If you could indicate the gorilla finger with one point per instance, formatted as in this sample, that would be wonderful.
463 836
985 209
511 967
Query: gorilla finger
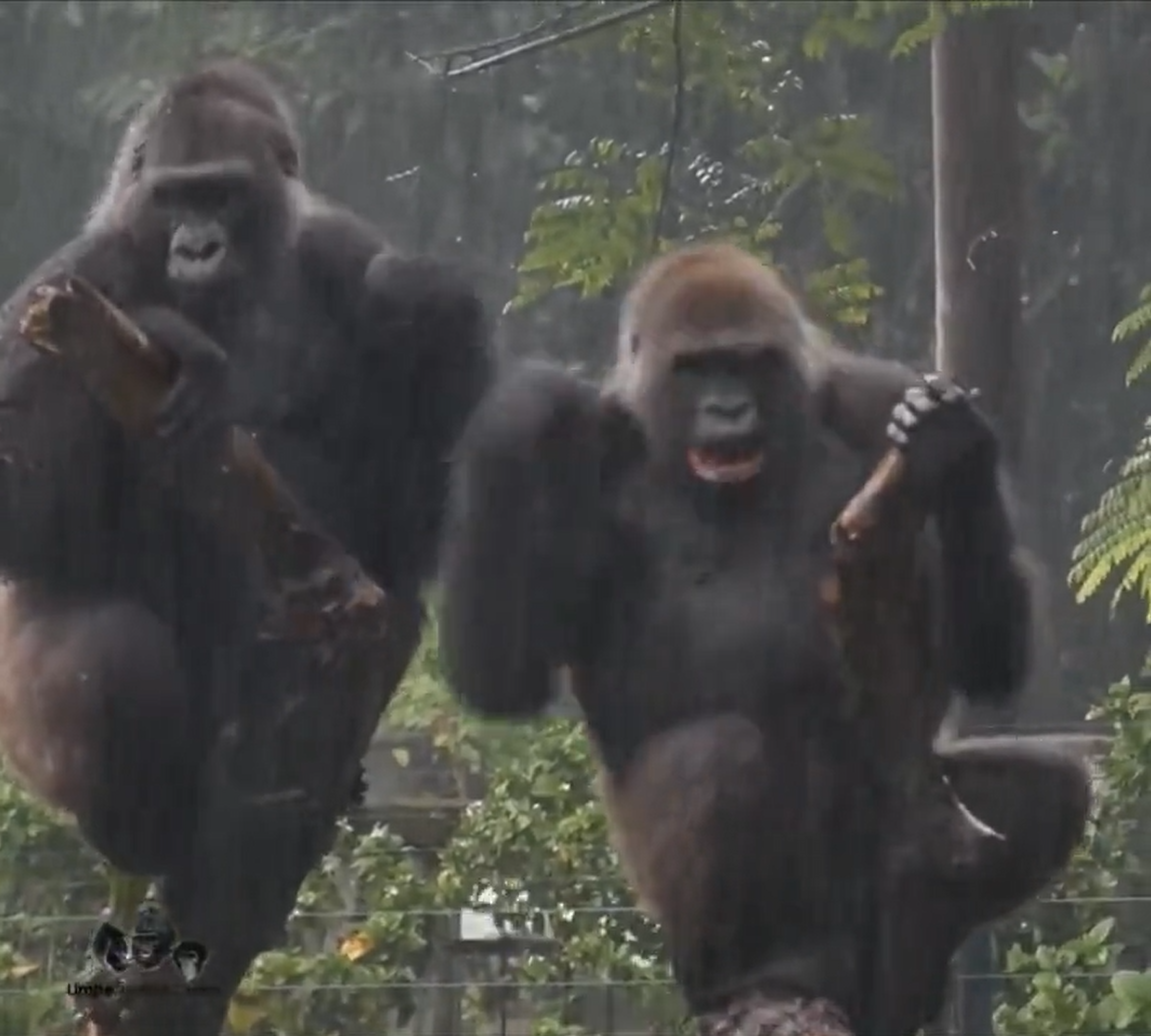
904 417
172 411
169 410
943 388
897 435
954 393
920 399
183 412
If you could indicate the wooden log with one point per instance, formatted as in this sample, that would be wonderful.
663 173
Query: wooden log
862 511
352 643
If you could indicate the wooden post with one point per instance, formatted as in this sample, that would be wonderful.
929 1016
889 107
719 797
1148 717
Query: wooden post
979 214
979 228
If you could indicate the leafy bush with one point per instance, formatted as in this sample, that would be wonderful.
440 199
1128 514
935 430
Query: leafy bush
1077 987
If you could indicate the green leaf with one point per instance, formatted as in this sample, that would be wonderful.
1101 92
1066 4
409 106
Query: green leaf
1133 989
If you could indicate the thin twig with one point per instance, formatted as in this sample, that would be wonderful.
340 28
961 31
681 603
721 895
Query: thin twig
677 107
467 49
577 31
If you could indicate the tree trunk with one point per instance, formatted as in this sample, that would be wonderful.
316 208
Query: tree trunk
979 227
979 214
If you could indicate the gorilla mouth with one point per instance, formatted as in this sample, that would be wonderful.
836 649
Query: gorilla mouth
711 466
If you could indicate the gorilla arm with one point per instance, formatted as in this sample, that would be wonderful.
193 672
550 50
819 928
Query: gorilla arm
986 580
525 537
63 489
422 362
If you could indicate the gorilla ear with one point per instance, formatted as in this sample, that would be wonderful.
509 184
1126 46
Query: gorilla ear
110 947
287 158
623 439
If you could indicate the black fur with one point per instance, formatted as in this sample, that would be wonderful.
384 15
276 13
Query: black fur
127 637
684 599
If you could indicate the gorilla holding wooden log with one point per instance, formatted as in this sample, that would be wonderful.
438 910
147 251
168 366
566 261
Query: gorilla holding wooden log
128 628
666 541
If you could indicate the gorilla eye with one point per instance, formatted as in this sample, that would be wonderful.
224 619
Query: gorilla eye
770 362
694 363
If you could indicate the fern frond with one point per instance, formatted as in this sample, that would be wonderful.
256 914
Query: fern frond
1131 325
1116 535
1133 322
1142 361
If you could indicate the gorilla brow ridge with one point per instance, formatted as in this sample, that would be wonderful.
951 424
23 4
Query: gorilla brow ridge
226 79
712 286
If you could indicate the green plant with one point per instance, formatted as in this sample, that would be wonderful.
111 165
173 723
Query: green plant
1076 987
1117 533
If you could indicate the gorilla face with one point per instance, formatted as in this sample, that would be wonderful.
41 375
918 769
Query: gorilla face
217 220
211 202
740 414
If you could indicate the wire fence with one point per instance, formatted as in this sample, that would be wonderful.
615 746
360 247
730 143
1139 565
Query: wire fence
471 982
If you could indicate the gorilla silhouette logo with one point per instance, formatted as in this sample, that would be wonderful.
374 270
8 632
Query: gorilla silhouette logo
151 944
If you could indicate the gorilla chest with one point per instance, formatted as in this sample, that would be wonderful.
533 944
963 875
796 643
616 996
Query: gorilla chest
741 629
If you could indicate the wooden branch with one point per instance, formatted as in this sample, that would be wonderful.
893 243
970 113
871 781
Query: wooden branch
576 32
862 512
321 593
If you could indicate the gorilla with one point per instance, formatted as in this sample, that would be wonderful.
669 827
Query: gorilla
128 620
663 542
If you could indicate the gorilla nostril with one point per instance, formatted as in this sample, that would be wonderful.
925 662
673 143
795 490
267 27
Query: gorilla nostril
200 254
198 243
728 409
195 251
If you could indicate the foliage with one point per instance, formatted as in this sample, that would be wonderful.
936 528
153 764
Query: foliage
1117 533
49 892
597 219
870 23
1076 986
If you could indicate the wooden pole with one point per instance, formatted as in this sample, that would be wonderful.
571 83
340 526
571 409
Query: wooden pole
979 214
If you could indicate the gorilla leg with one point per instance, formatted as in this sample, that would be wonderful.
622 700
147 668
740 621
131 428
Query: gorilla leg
1034 791
716 830
84 685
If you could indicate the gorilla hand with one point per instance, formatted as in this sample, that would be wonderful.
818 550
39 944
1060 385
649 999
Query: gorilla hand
945 440
195 404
